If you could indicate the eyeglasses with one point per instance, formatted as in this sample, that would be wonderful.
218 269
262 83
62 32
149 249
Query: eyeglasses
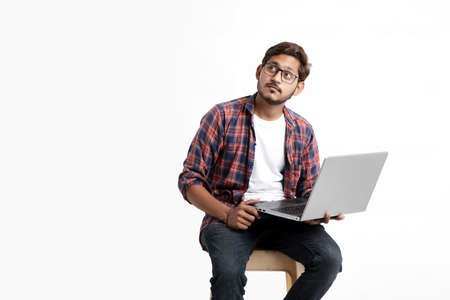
286 76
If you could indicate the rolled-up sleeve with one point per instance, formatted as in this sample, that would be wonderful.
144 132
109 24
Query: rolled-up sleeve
310 166
203 152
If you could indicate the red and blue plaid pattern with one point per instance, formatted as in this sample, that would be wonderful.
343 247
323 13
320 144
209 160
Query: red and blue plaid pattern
222 153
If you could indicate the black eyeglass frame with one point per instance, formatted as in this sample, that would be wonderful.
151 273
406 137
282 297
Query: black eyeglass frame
279 70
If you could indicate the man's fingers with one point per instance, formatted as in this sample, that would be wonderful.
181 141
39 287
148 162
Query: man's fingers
241 217
338 217
313 222
246 219
242 226
250 210
239 226
250 202
326 219
247 214
248 206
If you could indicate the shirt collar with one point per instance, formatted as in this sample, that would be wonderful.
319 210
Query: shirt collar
250 106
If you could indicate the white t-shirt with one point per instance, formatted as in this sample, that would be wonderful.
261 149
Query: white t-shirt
266 180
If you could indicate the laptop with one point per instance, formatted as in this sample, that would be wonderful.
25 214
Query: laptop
344 185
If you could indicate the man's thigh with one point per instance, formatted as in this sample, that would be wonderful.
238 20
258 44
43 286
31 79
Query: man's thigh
226 246
303 242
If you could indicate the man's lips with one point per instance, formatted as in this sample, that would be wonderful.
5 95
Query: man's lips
274 87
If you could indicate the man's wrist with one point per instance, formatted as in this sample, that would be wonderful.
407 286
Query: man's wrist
227 214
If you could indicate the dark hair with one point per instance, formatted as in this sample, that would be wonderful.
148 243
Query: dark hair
292 50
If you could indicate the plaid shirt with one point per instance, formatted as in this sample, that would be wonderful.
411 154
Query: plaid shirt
222 154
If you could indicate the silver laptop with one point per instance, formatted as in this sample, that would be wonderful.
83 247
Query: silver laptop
344 185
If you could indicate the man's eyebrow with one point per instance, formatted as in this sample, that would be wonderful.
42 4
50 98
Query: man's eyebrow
277 64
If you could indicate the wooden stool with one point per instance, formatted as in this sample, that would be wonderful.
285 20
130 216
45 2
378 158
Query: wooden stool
268 260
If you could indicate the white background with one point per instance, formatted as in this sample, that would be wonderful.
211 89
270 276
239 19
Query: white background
99 101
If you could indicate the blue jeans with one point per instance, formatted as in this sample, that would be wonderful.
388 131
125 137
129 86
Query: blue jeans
310 245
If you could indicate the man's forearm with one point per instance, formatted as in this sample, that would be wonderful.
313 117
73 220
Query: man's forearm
201 198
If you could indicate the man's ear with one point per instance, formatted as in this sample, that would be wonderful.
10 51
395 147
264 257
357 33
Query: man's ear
258 71
299 88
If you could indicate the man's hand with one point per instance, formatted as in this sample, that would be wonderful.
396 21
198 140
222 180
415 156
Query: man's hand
242 216
325 219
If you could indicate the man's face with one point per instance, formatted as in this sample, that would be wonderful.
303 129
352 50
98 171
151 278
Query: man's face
272 88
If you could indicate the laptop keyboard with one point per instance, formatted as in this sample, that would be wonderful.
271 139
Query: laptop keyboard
292 210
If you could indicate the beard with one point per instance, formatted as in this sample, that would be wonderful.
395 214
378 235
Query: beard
270 101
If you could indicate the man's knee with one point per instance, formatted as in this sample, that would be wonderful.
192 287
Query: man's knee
228 278
229 255
228 263
229 271
328 262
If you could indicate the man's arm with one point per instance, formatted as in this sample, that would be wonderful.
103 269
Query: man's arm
203 200
240 217
193 183
203 152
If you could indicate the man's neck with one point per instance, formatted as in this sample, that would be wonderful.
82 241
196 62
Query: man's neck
267 111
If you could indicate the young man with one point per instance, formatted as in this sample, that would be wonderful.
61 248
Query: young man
250 149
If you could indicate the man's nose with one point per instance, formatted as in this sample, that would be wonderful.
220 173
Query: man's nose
276 77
